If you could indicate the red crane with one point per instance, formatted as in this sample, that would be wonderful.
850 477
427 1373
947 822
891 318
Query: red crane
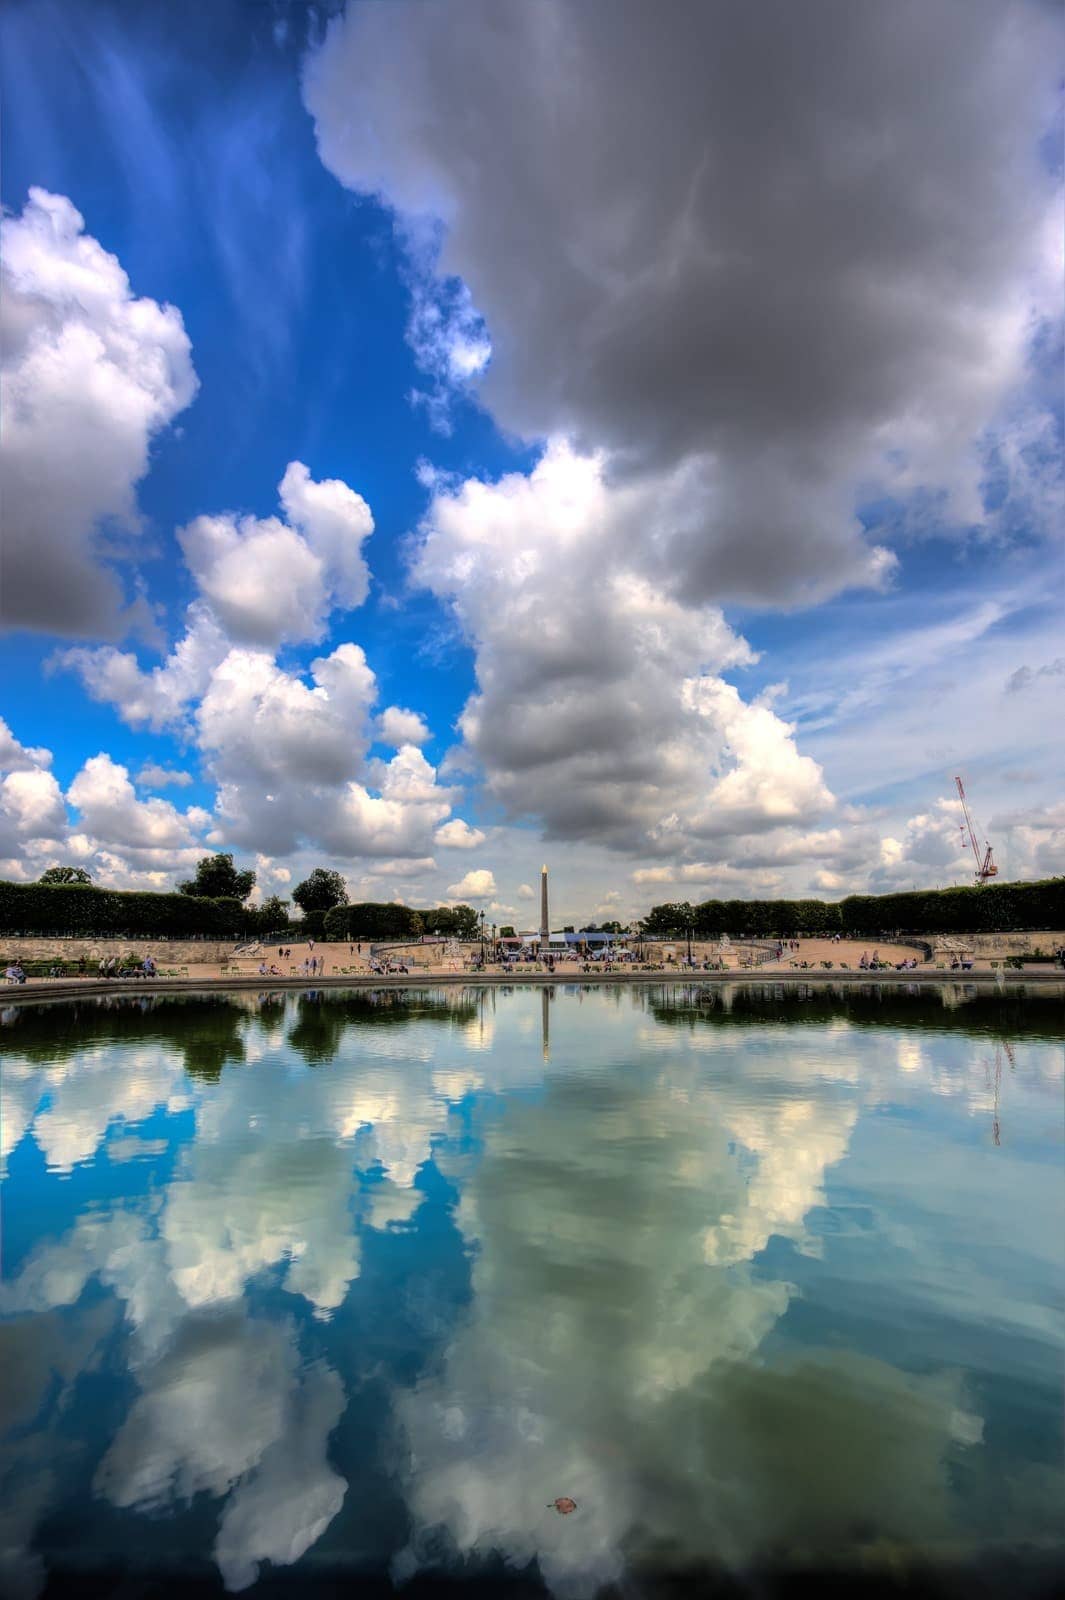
985 864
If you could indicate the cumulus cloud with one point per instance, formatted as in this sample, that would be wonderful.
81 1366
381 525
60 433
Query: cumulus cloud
599 705
146 832
290 762
153 776
17 757
478 884
396 726
931 849
1032 841
158 698
289 758
263 582
124 841
90 375
458 835
749 303
31 809
269 581
414 868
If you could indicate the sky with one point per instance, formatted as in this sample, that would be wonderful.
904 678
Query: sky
440 439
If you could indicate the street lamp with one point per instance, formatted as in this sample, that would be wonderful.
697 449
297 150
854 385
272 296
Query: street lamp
688 929
482 938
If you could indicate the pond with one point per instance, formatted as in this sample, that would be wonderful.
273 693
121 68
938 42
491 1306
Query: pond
314 1291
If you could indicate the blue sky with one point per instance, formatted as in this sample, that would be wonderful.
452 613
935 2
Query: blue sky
716 523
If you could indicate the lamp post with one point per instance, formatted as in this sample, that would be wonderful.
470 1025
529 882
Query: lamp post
688 930
482 938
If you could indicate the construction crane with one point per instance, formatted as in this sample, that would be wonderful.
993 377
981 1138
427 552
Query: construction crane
985 864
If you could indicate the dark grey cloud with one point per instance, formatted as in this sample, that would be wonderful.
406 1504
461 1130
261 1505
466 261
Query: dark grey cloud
766 255
1025 675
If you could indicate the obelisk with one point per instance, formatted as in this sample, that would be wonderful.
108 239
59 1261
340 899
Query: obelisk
545 925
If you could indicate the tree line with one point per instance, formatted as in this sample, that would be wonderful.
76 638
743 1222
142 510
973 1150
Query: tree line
990 908
212 905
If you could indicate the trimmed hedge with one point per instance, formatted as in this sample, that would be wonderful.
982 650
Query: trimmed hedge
991 908
373 919
369 920
74 910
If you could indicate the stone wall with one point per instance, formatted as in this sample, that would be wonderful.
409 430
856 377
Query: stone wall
995 946
169 952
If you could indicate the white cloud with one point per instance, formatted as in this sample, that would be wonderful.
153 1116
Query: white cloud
446 333
416 867
458 835
153 776
145 832
270 582
159 698
263 582
31 804
526 891
599 706
90 375
291 767
478 884
16 757
1033 840
32 813
397 726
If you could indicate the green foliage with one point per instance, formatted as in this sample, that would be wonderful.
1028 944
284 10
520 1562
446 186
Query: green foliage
218 879
321 891
507 932
64 875
311 925
992 908
455 922
271 917
665 920
372 920
77 910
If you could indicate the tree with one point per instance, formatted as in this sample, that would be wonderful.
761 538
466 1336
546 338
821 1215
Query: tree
672 918
65 875
321 891
272 915
370 920
455 922
507 932
218 879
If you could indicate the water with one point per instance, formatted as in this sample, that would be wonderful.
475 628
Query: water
303 1290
